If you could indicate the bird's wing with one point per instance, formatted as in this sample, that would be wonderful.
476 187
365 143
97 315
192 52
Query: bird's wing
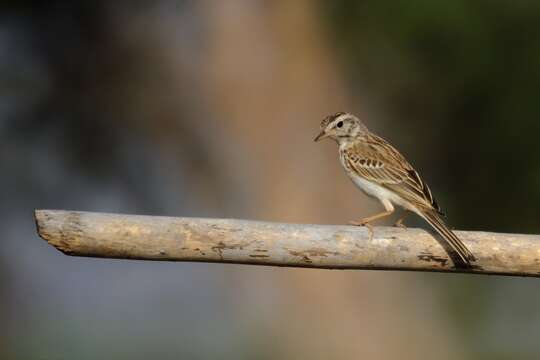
376 160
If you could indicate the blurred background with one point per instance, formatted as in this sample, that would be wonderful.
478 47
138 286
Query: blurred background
209 108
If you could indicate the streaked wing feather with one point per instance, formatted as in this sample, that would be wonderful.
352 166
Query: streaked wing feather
378 161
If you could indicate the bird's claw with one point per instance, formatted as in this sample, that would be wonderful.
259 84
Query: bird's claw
400 224
366 224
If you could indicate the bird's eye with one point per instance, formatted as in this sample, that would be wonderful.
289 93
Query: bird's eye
340 124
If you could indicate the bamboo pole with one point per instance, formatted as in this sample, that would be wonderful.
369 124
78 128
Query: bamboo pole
265 243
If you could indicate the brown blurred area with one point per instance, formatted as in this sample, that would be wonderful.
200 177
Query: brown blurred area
203 109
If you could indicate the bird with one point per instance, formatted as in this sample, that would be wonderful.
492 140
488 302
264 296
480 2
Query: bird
383 173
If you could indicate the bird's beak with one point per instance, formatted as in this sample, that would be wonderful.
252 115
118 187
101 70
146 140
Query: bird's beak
321 136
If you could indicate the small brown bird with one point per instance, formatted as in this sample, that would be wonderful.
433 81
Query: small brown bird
380 171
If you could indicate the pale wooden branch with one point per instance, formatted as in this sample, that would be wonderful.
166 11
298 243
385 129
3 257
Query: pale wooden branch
265 243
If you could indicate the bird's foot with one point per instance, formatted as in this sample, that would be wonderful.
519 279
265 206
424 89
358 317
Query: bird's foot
366 224
400 224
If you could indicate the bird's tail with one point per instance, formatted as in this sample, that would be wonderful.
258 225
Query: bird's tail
464 254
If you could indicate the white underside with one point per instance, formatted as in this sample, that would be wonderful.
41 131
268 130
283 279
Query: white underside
384 195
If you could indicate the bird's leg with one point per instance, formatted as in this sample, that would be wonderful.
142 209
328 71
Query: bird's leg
366 221
370 230
400 223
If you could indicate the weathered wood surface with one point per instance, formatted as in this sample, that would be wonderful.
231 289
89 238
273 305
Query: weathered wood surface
264 243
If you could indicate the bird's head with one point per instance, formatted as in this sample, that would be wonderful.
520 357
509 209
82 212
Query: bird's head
341 127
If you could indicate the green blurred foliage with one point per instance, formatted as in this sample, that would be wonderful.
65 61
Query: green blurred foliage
465 76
